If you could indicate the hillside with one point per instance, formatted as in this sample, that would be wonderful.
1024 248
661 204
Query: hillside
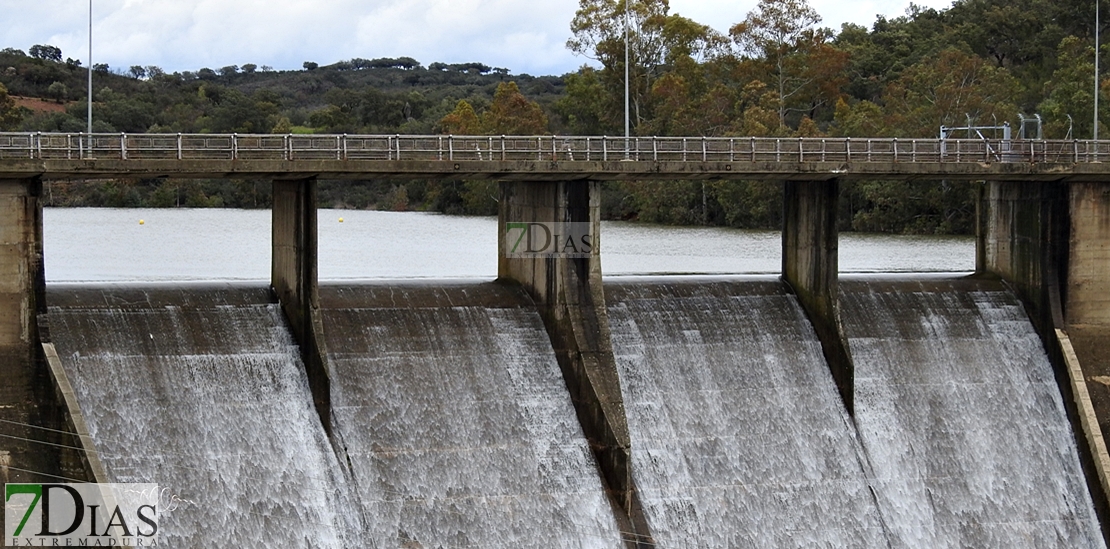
776 73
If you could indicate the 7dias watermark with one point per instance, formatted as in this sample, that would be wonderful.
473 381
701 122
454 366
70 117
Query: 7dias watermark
80 515
546 239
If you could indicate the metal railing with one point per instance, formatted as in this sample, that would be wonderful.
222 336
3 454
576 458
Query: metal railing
77 146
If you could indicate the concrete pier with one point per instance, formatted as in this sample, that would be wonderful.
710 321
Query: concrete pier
1051 242
568 292
1023 238
30 413
809 267
293 277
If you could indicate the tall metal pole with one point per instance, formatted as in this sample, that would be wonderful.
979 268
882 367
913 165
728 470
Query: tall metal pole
626 78
89 117
1096 69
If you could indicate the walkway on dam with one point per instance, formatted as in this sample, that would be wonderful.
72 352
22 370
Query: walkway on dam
61 156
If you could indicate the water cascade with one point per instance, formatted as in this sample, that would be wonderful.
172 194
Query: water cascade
201 390
454 415
961 416
740 438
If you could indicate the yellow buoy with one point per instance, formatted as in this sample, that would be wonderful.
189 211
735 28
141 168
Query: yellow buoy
340 219
141 222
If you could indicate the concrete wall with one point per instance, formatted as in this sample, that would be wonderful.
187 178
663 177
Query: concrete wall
569 295
293 277
29 407
1088 292
1023 238
809 267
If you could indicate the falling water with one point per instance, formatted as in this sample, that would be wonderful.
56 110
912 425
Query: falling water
739 436
201 390
458 426
961 416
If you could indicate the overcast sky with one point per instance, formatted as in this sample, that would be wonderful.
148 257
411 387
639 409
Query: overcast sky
525 36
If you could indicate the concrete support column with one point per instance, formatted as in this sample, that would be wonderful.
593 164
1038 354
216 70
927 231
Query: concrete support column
568 292
293 277
28 406
1022 238
1088 291
809 267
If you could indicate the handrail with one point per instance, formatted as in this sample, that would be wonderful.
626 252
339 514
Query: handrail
541 148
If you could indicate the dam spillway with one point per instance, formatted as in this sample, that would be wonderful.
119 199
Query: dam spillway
450 404
453 425
961 417
201 390
739 436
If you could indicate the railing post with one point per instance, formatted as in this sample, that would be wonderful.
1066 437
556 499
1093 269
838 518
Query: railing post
587 148
801 154
451 147
398 141
913 150
778 150
539 148
179 154
895 149
869 150
122 146
637 143
1075 145
704 152
502 147
69 147
234 146
848 149
824 149
654 148
731 149
38 144
604 148
753 148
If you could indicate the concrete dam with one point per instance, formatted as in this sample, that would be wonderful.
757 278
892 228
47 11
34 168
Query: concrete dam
552 408
453 426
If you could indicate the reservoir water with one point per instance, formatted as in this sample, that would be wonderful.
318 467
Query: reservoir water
101 244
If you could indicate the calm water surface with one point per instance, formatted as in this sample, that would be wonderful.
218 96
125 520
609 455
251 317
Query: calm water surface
103 244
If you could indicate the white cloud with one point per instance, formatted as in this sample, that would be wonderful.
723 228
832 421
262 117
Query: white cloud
522 35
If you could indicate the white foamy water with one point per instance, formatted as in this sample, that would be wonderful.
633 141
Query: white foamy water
961 417
450 404
210 401
740 438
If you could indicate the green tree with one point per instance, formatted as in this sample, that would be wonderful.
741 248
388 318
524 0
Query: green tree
1070 91
46 52
805 68
10 115
513 114
657 41
461 121
944 91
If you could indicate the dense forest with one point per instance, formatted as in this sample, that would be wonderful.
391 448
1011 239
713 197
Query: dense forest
776 73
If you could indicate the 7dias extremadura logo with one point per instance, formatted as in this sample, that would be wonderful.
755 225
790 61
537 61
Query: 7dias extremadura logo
80 515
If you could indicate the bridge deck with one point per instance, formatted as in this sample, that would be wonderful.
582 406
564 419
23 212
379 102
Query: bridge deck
67 156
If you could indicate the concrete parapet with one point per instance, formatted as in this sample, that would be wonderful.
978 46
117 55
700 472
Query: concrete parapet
293 277
809 267
568 292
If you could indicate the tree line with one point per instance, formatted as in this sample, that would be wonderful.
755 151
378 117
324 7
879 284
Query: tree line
778 72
